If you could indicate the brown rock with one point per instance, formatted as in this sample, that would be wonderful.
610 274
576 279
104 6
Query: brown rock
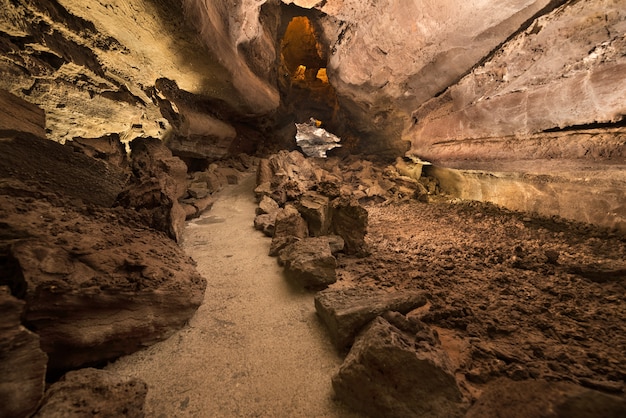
349 220
108 148
264 172
390 373
266 223
541 399
346 311
290 227
160 179
93 392
18 115
267 205
310 263
94 287
22 363
315 209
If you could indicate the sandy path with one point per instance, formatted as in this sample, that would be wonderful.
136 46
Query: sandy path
255 347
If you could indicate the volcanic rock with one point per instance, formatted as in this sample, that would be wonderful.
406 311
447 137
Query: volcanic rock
309 262
159 180
22 363
349 220
346 311
315 209
542 399
267 205
96 287
289 228
108 148
93 392
18 115
390 372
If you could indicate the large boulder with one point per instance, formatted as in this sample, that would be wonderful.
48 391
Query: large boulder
504 398
310 263
22 363
393 372
18 115
93 392
97 284
346 311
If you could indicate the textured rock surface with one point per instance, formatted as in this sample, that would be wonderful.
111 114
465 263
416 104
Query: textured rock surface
22 363
92 392
346 311
310 263
158 181
96 280
18 115
398 373
535 84
539 398
289 228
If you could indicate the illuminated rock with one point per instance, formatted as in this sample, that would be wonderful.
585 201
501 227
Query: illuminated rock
315 141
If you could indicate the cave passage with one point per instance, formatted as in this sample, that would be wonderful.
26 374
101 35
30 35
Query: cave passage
304 84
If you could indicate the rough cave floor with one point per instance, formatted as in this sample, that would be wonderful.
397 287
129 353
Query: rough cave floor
255 347
511 295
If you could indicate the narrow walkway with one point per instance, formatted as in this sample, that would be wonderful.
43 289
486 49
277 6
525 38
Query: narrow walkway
255 347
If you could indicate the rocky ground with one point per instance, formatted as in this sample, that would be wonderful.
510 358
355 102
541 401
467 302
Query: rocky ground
482 297
510 294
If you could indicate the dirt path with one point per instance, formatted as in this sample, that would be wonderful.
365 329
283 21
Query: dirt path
255 347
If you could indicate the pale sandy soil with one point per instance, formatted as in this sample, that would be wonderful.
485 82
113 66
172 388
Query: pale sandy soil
255 348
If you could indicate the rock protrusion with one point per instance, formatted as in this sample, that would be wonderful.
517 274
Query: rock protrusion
93 392
396 373
22 362
346 311
534 398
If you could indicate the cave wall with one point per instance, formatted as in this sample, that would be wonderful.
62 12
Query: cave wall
477 85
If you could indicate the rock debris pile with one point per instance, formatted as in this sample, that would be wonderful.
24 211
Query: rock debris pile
404 273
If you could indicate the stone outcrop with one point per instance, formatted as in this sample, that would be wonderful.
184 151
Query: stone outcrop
22 363
159 180
92 392
540 398
401 371
346 311
97 282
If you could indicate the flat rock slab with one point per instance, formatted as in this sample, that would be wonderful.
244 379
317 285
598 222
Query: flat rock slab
346 311
393 373
92 392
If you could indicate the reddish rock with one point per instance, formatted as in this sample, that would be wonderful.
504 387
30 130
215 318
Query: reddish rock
349 220
18 115
159 180
346 311
290 227
22 363
93 392
315 209
390 372
310 263
505 398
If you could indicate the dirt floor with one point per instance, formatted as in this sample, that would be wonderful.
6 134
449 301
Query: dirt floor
255 347
511 294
